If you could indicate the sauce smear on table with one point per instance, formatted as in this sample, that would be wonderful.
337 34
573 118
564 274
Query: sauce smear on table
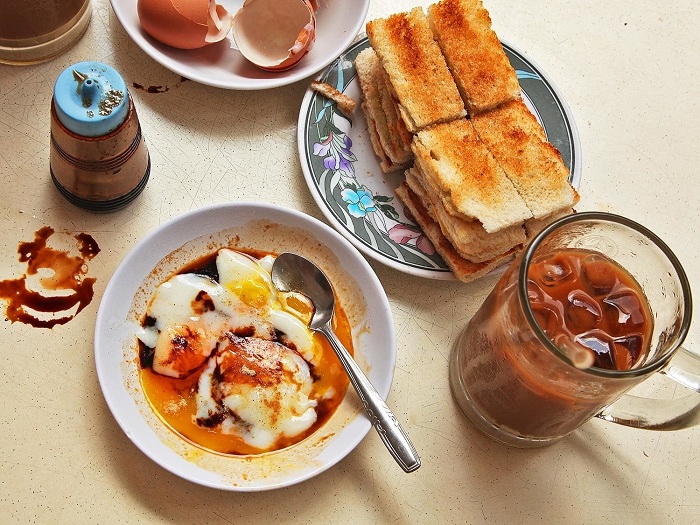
63 288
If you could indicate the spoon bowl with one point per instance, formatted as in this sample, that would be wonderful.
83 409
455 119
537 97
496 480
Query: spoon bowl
294 273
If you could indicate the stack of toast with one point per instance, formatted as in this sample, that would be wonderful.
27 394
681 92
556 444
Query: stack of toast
444 105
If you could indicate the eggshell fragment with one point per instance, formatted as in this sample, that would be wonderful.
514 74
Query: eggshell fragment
274 34
184 24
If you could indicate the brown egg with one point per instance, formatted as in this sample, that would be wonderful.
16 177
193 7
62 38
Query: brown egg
185 24
274 34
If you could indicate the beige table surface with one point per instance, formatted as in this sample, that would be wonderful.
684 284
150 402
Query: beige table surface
631 74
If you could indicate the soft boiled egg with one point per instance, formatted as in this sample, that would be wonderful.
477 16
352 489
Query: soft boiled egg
245 277
251 282
258 390
184 24
274 34
187 324
253 353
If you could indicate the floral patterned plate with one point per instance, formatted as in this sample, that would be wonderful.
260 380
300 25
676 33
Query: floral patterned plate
345 179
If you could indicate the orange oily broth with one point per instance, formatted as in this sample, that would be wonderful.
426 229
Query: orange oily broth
174 400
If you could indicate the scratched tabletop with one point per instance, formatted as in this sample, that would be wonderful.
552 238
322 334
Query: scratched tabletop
630 74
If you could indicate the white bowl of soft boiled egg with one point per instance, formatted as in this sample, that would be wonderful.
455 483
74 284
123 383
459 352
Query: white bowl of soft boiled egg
213 373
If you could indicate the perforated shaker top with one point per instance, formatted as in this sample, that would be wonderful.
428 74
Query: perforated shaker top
91 99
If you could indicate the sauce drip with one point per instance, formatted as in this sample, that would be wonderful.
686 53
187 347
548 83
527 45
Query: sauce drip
67 276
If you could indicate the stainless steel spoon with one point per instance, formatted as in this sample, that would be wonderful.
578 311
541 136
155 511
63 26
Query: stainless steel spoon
294 273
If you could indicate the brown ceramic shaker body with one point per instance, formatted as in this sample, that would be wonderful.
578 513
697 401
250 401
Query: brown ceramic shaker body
104 172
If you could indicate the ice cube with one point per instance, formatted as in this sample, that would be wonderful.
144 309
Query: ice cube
547 317
598 274
583 313
628 350
534 291
602 344
624 310
552 270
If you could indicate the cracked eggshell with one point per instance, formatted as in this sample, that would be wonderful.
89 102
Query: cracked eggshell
184 24
274 34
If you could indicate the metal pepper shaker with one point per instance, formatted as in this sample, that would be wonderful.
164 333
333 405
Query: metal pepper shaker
99 159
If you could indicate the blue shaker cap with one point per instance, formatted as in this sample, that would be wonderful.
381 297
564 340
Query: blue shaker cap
91 99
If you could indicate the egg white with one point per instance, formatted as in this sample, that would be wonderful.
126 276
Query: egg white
185 332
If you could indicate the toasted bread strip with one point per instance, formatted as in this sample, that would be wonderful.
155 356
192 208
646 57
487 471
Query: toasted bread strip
420 81
463 269
474 54
385 163
344 102
468 237
387 141
371 108
399 135
517 141
467 177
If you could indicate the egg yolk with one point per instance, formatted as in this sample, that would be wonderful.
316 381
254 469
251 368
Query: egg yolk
297 305
254 293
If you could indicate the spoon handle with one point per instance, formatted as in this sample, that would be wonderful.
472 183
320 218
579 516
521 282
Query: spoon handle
381 416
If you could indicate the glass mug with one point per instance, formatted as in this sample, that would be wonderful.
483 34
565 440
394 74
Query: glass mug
522 389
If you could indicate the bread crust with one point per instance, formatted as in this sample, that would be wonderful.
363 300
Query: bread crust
345 103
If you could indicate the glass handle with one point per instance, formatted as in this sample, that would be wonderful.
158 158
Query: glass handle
663 414
685 369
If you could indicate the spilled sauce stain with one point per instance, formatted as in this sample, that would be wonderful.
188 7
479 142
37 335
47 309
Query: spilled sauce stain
58 271
157 89
150 89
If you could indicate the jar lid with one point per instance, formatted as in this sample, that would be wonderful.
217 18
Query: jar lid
91 99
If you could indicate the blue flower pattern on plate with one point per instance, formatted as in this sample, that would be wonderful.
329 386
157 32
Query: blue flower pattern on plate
375 210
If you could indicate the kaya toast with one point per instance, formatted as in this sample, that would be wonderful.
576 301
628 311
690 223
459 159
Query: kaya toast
535 167
468 237
463 269
463 172
420 82
474 54
390 139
